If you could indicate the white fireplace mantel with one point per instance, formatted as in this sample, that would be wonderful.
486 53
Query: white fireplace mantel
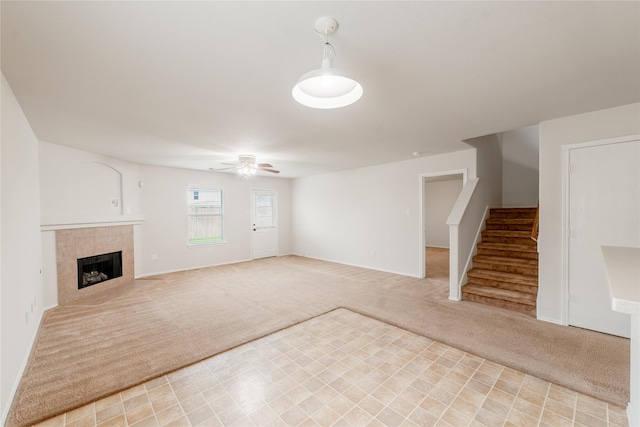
50 223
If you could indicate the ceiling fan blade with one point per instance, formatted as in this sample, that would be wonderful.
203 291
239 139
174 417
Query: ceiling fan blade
229 164
222 169
269 170
264 165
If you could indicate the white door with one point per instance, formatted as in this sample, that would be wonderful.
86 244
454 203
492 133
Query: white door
604 206
264 223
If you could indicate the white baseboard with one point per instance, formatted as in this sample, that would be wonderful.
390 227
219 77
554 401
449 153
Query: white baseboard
362 266
23 366
632 422
141 276
547 319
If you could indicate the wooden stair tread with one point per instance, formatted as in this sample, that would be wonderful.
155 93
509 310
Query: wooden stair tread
500 276
518 209
512 213
524 221
507 247
511 281
529 310
525 262
508 233
524 224
504 294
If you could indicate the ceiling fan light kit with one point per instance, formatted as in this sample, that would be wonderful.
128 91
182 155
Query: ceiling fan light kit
247 166
326 87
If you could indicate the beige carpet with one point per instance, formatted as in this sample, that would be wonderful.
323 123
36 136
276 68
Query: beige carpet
129 335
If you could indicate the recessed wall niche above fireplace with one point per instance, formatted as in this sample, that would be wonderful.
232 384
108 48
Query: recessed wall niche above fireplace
99 268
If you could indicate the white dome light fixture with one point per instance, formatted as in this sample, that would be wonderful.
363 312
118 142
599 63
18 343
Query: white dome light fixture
326 87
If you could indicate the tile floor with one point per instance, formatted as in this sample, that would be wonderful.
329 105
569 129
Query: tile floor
345 369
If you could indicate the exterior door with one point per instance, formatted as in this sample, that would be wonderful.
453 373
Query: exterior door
264 223
604 206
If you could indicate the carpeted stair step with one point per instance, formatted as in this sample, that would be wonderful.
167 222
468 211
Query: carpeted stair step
505 269
526 267
512 300
508 250
497 279
509 237
514 224
506 213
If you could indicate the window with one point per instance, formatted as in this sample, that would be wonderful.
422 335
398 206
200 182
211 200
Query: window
264 210
205 215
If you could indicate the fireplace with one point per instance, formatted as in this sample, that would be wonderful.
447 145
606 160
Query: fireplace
100 268
80 269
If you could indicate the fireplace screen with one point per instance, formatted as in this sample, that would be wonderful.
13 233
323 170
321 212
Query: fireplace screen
99 268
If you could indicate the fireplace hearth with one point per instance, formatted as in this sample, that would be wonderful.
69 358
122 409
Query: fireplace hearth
100 268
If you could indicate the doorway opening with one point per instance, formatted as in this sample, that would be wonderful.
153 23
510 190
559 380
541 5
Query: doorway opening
437 263
439 192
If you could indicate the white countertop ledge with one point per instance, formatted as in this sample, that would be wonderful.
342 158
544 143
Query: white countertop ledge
623 272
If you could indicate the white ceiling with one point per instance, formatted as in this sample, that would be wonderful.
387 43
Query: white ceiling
193 84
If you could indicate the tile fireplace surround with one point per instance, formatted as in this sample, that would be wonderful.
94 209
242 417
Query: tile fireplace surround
72 244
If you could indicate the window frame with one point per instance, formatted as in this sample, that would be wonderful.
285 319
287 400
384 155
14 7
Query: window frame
191 189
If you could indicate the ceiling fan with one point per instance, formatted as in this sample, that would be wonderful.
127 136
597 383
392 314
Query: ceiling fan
247 166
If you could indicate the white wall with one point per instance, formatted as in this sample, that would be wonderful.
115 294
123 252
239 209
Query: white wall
80 185
609 123
77 183
369 216
161 198
520 153
164 232
20 273
489 168
439 196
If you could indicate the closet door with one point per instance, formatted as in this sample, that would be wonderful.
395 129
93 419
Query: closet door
604 206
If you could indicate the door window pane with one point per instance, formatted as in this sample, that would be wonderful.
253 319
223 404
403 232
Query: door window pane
264 210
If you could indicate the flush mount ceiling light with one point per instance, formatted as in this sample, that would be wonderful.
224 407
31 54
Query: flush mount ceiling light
326 87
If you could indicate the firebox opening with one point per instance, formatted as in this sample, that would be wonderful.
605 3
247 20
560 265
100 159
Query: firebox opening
100 268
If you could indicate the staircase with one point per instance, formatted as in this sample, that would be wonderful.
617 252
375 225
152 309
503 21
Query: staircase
505 269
